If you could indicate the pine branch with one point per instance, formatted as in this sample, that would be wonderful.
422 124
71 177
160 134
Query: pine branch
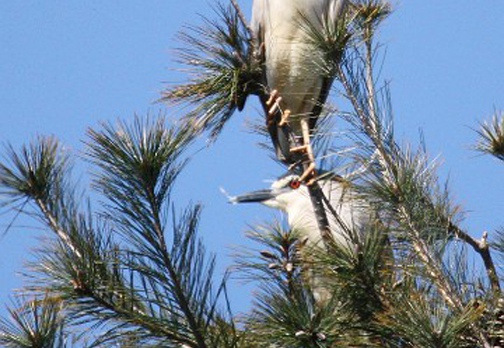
492 137
37 322
422 320
361 94
169 296
482 247
225 69
370 121
139 165
311 297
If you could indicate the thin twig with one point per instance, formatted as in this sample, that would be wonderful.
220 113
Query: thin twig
316 193
482 248
242 18
53 224
368 41
369 121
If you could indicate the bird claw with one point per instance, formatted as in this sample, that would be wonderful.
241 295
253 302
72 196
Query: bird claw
301 148
285 117
309 175
273 103
272 97
275 106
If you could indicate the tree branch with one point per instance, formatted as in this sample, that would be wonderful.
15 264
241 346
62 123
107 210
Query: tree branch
53 224
483 249
370 123
242 17
316 194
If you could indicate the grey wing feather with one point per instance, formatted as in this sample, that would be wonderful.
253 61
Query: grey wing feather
334 10
280 136
257 21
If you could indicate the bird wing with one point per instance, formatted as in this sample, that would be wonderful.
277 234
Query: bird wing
290 66
260 24
256 23
332 11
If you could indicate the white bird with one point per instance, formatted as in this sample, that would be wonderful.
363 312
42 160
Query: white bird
291 195
294 68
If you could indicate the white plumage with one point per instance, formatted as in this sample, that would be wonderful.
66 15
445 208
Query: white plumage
291 196
293 67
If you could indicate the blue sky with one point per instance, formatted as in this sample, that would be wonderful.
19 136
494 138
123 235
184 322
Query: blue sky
67 65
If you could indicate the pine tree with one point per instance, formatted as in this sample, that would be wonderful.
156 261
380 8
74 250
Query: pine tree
132 272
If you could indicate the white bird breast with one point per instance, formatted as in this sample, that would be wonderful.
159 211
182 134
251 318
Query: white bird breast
301 215
293 66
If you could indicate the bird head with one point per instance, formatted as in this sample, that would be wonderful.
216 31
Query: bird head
289 194
285 192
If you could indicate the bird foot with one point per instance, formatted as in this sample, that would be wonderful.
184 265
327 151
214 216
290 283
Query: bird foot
309 175
301 148
285 117
274 107
293 165
272 97
273 103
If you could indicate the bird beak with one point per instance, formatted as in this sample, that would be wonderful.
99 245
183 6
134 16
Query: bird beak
258 196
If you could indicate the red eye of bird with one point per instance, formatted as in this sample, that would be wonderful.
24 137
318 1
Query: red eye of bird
294 184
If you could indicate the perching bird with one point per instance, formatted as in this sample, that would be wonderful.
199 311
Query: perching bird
293 67
291 195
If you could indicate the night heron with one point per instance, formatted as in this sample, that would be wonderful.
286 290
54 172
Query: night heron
295 72
288 193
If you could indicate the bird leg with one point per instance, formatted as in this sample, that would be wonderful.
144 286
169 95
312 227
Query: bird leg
285 117
309 173
273 103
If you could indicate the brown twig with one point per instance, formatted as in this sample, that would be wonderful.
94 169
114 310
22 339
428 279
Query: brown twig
316 194
370 121
53 224
242 18
483 249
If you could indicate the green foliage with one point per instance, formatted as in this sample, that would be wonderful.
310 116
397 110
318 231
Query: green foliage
133 273
36 171
221 57
35 323
287 309
492 137
422 320
116 270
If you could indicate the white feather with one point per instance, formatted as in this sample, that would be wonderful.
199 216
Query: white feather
292 65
